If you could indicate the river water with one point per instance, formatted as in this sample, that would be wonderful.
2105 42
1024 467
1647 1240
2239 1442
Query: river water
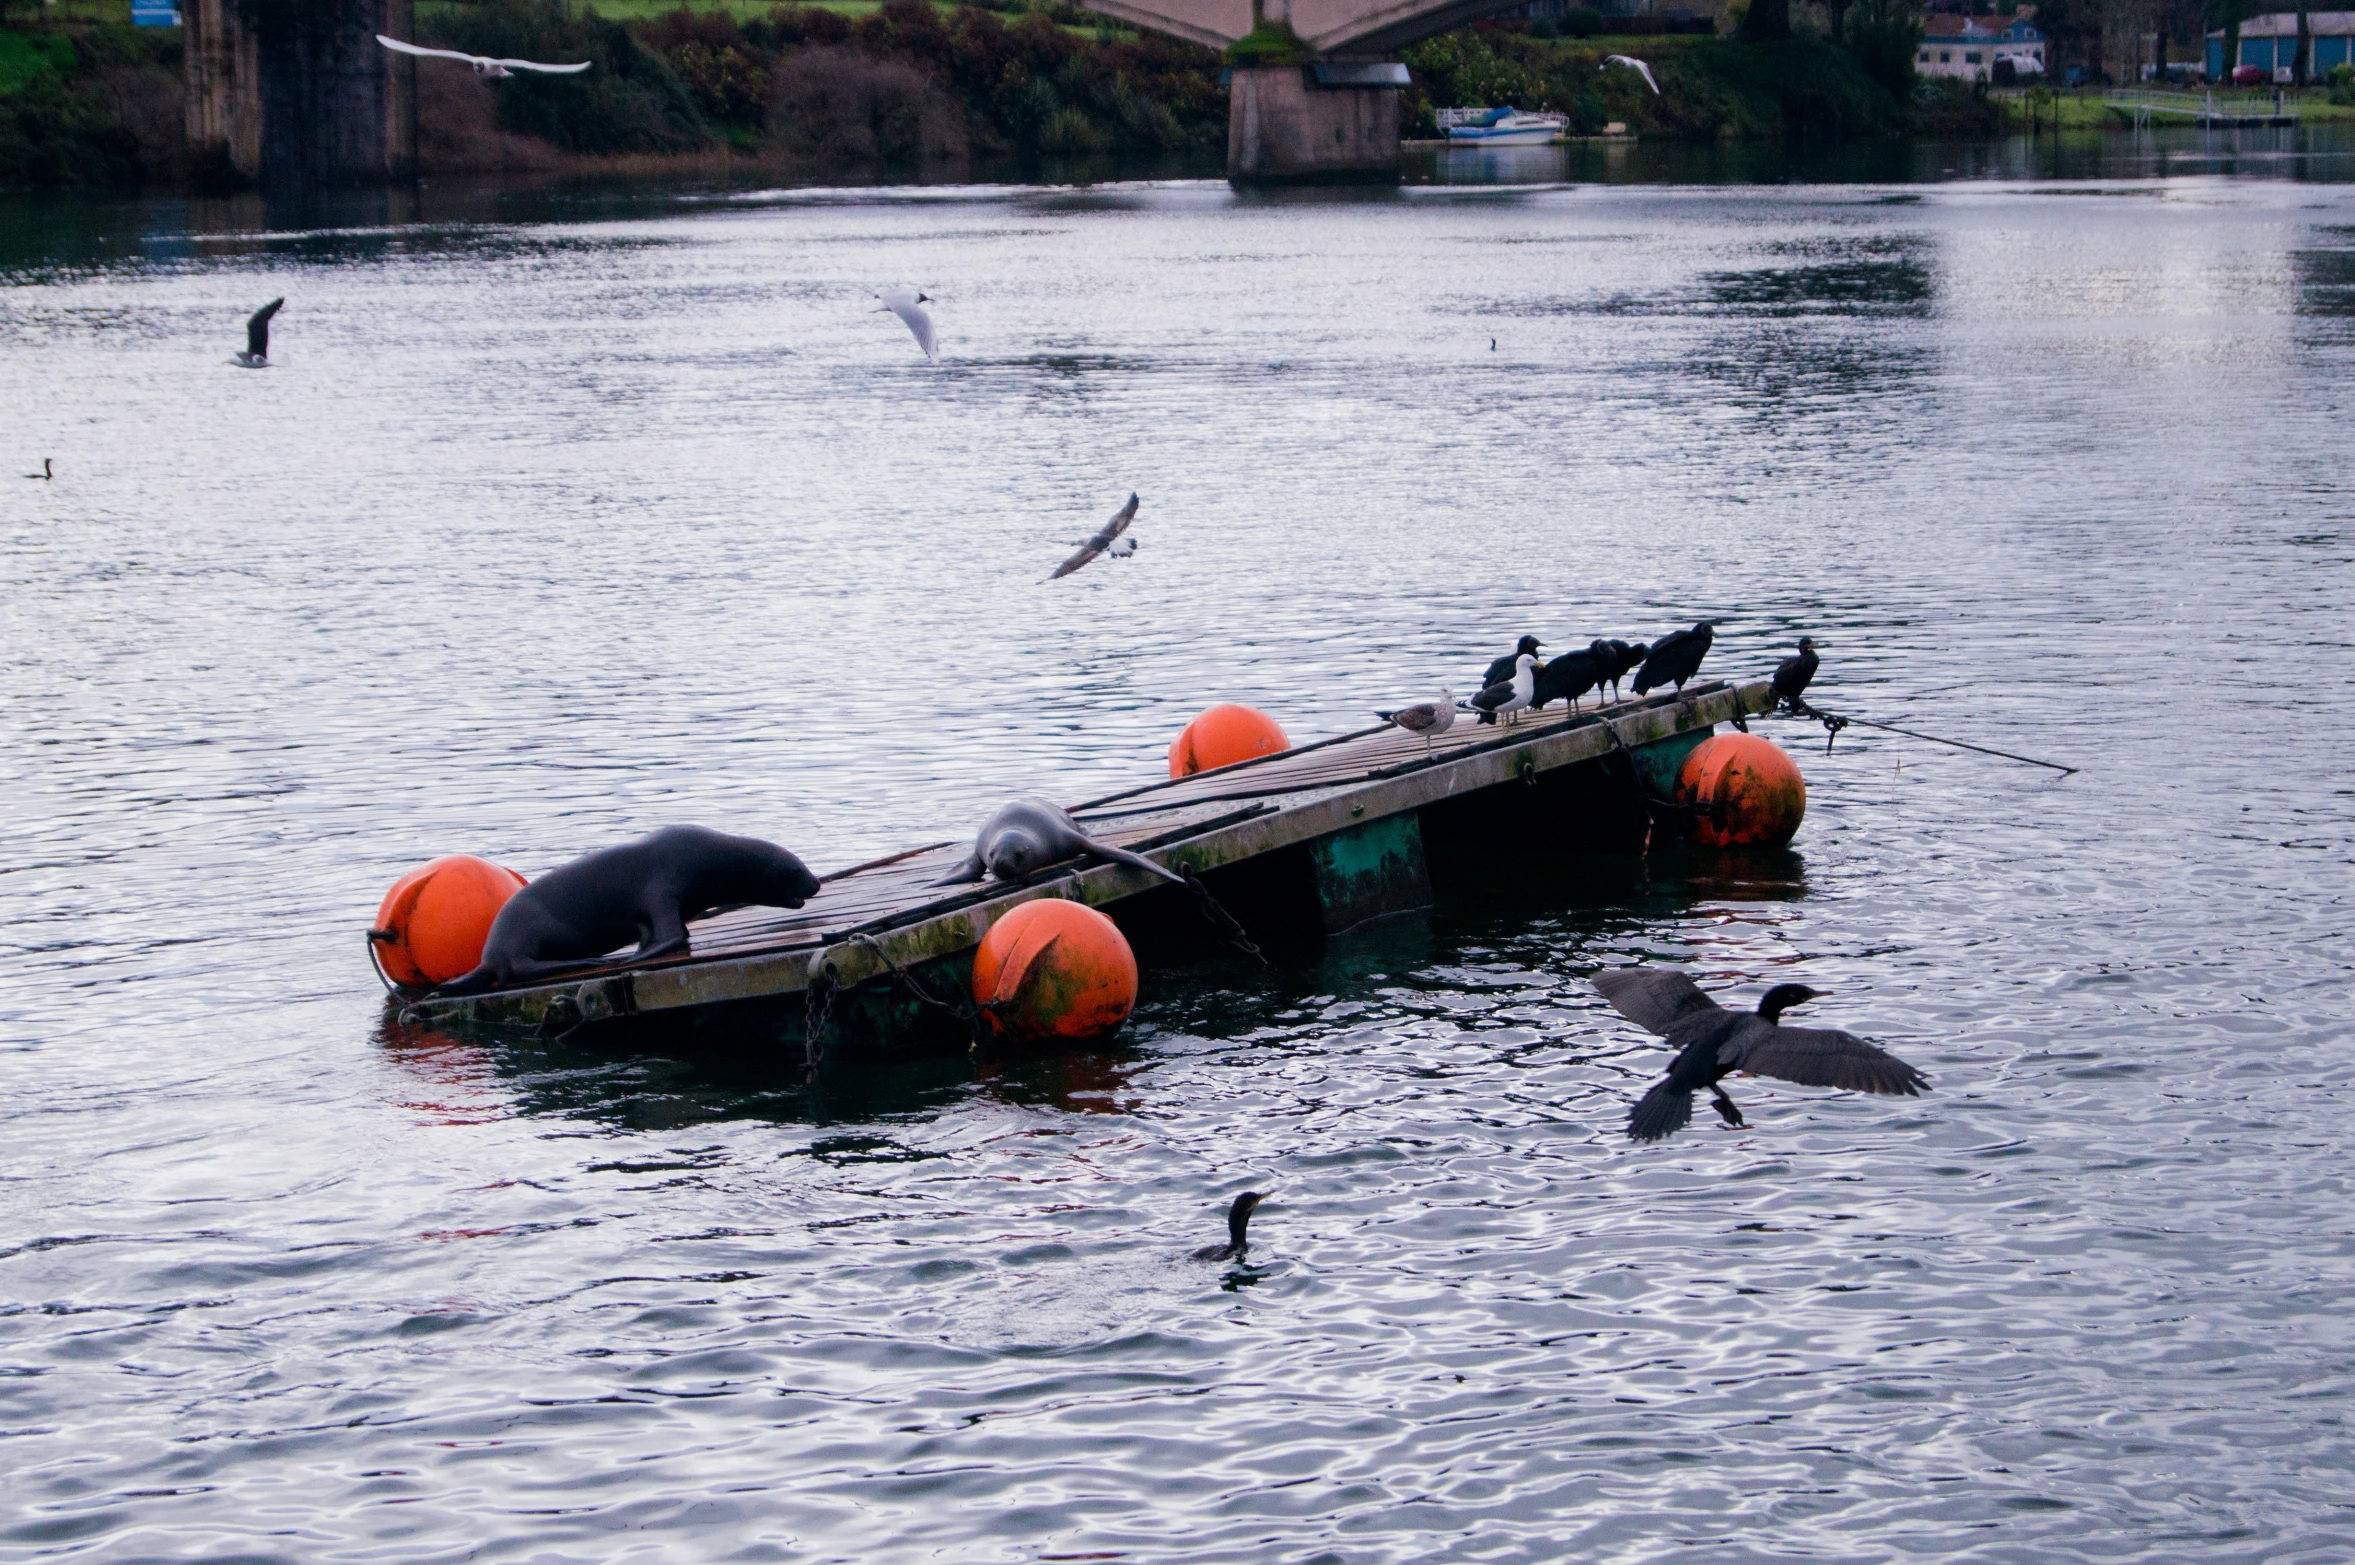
560 520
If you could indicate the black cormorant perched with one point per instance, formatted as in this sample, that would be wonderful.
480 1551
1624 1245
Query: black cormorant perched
1675 658
257 338
1572 675
1510 695
1501 671
1626 658
1238 1219
1713 1042
1793 675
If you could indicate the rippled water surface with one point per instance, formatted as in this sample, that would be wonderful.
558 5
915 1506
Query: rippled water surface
544 532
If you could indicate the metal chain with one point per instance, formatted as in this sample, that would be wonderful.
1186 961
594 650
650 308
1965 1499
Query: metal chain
817 1009
1229 927
972 1015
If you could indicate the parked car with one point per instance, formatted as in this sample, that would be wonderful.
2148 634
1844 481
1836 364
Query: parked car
2251 76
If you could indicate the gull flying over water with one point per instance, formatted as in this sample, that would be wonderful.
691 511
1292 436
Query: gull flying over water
1713 1043
908 305
1105 535
1634 64
484 66
257 338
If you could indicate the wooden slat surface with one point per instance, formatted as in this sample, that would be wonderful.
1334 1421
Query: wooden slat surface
895 907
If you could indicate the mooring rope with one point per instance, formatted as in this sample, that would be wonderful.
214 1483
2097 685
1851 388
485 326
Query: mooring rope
1833 723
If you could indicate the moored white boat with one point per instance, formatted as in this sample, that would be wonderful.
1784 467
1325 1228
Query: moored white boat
1506 127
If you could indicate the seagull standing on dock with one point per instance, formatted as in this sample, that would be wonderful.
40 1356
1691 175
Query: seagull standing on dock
257 338
1502 669
1713 1042
1507 697
1428 718
484 66
1675 658
1633 64
908 305
1792 676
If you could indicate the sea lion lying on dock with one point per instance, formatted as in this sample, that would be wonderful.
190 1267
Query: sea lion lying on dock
646 890
1030 834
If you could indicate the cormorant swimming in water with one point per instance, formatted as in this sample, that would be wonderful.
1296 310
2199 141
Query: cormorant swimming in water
47 470
257 338
1625 659
1510 695
1501 670
1572 675
1793 675
1713 1042
1238 1219
1675 658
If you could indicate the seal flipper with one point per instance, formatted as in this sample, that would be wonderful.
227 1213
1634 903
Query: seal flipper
1133 860
967 873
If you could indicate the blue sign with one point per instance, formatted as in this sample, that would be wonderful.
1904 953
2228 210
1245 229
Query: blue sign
155 13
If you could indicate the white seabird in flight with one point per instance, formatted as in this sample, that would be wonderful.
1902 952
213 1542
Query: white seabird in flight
1634 64
484 66
908 305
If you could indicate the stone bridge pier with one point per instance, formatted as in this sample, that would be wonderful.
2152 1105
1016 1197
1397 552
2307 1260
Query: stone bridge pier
299 92
1329 112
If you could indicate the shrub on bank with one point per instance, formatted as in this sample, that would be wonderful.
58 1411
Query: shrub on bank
92 105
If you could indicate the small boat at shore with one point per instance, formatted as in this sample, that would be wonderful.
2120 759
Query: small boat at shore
1507 127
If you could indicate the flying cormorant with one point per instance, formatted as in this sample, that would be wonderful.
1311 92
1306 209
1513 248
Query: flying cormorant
1502 669
1238 1219
1793 675
1713 1042
1675 658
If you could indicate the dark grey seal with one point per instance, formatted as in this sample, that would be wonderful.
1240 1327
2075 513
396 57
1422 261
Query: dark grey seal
645 891
1030 834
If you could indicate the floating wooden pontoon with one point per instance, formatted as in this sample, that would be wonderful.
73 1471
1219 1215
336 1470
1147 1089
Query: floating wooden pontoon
1320 837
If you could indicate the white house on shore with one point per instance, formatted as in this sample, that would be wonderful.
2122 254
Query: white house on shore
1968 46
2270 43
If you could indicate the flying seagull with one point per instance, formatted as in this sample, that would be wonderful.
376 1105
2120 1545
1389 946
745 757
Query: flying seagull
484 66
1123 549
908 305
1634 64
46 470
257 338
1102 541
1713 1042
1428 718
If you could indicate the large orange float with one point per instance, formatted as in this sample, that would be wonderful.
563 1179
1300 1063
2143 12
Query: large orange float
1221 737
1744 792
1052 970
434 920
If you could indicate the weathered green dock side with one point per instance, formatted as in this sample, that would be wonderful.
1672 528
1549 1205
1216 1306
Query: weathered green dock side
1307 842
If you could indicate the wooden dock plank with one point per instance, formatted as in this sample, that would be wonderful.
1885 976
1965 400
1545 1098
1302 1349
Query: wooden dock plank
892 913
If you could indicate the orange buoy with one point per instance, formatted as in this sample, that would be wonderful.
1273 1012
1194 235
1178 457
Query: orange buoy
1221 737
434 920
1054 970
1748 792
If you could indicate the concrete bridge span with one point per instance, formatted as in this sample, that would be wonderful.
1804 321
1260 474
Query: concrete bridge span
298 92
1331 114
